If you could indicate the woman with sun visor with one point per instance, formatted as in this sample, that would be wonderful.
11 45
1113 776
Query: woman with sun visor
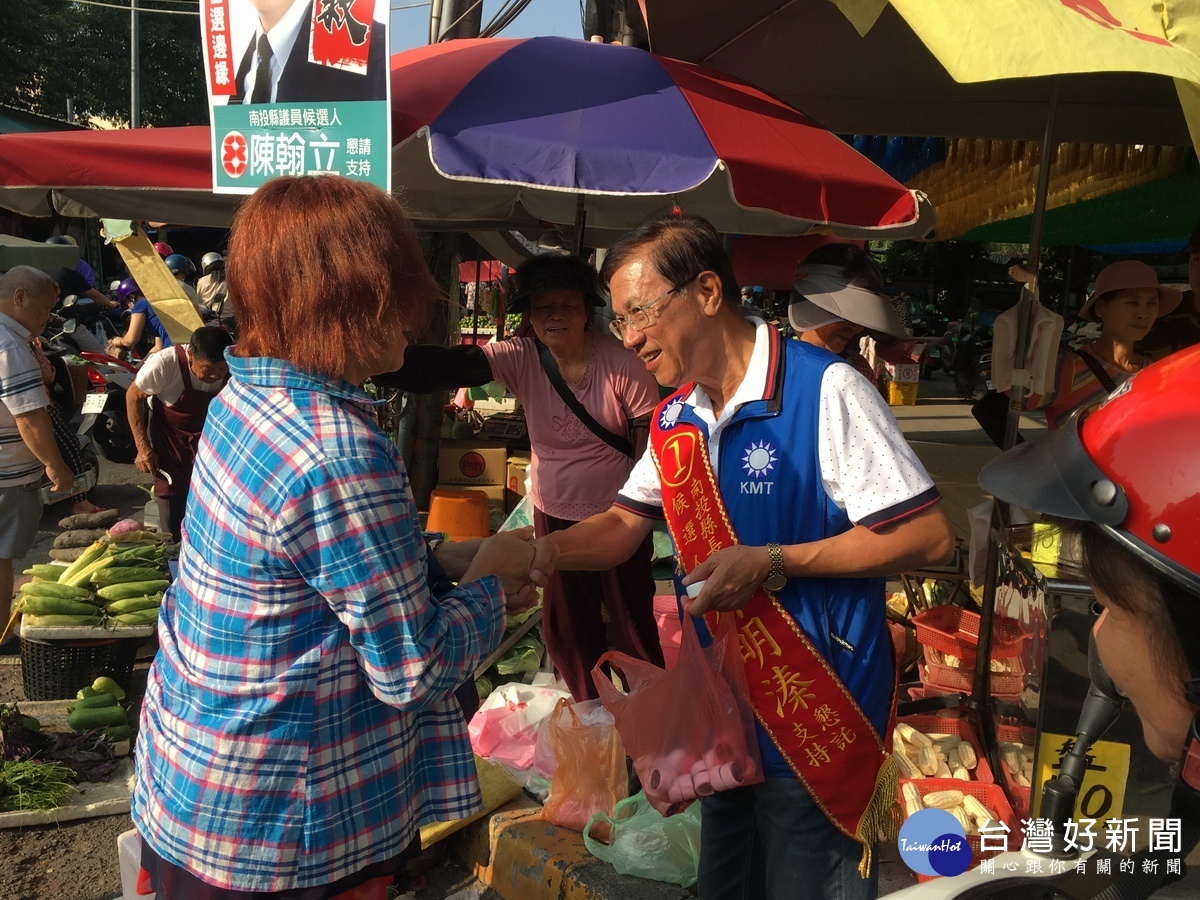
587 403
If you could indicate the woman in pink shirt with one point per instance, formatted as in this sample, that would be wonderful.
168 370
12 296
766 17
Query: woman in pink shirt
578 465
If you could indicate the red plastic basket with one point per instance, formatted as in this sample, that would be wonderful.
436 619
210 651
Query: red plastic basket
990 795
961 729
1007 685
955 630
1018 793
927 690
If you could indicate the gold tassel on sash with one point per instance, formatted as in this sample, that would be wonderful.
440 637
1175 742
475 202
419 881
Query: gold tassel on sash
881 819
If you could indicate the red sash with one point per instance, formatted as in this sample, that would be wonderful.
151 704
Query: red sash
798 699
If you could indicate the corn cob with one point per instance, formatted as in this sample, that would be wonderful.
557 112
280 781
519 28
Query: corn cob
960 773
943 770
132 589
943 799
976 810
912 798
928 761
966 753
908 769
912 736
965 820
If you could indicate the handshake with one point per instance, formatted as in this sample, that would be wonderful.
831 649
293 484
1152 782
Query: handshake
522 563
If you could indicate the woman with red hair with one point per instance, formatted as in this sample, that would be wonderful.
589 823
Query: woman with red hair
299 724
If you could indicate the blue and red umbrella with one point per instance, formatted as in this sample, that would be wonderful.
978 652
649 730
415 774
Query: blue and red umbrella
502 133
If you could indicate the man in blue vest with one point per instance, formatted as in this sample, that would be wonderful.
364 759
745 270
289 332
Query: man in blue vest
824 498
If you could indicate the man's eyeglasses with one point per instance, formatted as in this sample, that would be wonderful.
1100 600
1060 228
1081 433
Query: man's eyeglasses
639 318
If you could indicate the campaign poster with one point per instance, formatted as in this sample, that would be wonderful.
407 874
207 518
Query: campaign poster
297 87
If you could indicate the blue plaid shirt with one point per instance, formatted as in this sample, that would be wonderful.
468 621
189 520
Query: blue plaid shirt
298 723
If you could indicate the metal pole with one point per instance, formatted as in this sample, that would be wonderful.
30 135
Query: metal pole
135 105
1019 389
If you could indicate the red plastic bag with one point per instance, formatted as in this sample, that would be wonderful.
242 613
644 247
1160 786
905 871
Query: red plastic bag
589 774
690 729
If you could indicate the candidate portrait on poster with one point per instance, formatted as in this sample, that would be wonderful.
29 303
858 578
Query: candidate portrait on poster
298 51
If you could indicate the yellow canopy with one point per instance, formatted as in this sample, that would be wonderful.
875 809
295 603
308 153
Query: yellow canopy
991 40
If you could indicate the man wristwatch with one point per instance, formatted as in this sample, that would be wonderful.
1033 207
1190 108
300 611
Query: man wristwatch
775 579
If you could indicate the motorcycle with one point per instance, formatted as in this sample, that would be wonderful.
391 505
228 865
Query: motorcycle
110 377
971 363
78 400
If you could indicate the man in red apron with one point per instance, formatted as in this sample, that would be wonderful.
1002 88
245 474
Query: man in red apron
179 382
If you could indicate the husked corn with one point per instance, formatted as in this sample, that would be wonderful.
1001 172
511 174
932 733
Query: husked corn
965 820
898 745
928 761
910 735
943 799
976 810
912 798
953 758
960 773
966 754
908 769
943 770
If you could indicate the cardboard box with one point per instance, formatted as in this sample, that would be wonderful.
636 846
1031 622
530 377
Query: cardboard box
518 469
906 373
495 494
472 462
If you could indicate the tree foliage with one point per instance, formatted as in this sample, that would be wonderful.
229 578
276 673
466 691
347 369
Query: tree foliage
55 50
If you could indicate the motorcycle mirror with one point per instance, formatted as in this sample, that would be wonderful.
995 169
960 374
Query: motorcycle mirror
70 300
69 326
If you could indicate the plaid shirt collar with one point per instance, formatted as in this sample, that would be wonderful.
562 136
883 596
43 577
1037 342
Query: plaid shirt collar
267 372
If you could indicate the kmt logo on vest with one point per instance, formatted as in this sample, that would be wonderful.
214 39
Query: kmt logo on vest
758 462
932 842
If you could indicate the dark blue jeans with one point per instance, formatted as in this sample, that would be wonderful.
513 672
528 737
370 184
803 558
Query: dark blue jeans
770 841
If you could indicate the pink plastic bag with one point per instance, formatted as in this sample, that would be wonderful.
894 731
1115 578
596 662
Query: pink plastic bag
690 729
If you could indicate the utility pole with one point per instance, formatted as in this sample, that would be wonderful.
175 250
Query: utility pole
461 18
135 104
420 429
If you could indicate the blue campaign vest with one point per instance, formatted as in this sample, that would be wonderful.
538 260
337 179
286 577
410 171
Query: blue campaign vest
770 480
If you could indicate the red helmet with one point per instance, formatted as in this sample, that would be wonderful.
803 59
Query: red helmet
163 249
1132 466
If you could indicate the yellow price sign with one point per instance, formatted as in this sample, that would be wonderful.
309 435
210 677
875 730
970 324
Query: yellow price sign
1102 794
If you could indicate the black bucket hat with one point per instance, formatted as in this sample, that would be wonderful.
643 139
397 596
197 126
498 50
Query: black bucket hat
553 272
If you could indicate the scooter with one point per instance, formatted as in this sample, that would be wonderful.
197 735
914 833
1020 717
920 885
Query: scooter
79 412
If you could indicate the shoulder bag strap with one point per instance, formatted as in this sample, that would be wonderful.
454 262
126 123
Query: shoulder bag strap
1098 370
551 368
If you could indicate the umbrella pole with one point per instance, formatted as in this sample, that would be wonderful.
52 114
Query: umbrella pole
580 221
1020 385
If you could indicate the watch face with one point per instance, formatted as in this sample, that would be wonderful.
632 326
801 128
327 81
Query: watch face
775 582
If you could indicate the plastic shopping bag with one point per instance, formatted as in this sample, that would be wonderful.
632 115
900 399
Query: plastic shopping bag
690 729
589 773
645 843
504 728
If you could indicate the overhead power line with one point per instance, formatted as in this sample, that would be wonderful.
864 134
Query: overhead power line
140 9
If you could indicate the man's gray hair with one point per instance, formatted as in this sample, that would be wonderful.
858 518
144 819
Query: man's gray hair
27 278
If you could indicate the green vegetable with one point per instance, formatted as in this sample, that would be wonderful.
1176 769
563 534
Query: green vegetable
133 604
132 589
96 701
61 621
45 571
88 691
51 589
29 784
31 724
121 574
97 717
117 733
105 685
52 606
93 559
141 617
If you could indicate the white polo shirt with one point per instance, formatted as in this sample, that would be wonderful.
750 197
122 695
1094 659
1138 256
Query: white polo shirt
22 390
867 467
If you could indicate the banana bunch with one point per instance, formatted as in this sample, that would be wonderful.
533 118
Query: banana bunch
921 755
